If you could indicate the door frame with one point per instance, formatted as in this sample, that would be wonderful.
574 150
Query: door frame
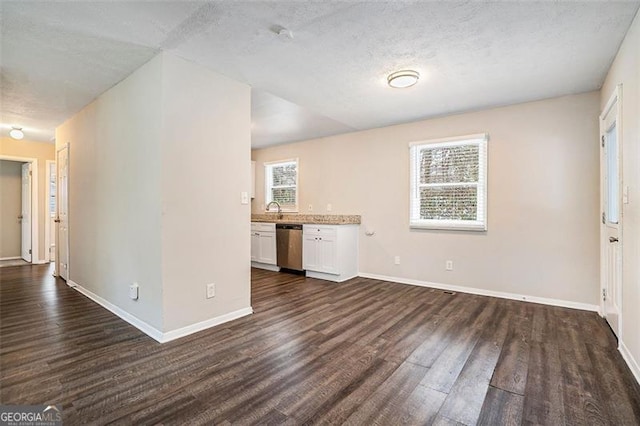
616 97
26 211
66 146
47 223
35 236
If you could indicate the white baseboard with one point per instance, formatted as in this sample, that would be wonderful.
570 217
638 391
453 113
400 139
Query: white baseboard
40 262
149 330
328 277
11 258
483 292
203 325
630 360
266 266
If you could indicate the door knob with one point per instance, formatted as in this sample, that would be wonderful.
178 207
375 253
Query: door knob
20 217
56 220
613 240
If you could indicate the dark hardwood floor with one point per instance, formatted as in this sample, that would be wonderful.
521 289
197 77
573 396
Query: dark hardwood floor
361 352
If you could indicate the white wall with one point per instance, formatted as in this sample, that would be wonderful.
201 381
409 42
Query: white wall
157 165
542 237
115 193
626 71
206 165
10 208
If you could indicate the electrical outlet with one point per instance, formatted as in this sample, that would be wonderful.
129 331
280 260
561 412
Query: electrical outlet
310 207
244 197
329 207
449 265
211 290
133 291
396 260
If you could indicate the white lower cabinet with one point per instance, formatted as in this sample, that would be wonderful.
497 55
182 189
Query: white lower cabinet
255 246
263 245
330 252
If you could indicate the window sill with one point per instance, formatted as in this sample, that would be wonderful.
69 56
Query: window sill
449 227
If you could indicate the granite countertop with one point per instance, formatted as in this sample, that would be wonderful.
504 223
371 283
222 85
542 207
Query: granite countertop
312 219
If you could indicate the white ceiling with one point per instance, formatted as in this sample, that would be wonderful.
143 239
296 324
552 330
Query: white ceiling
330 78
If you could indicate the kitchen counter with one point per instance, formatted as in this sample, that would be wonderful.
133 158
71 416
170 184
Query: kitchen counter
308 219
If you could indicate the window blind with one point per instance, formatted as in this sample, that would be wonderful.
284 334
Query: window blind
448 183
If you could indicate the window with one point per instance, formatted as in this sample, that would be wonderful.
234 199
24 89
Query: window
281 179
449 183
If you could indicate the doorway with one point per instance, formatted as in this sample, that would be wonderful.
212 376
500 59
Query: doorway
26 215
20 210
611 220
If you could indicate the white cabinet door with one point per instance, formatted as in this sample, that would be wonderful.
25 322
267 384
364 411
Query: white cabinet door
267 248
327 255
255 246
310 252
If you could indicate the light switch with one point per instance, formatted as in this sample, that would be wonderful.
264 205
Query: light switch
244 198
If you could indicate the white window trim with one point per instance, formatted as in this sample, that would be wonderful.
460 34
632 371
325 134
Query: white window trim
267 187
481 140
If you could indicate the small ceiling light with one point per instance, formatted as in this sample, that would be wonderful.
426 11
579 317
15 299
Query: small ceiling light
285 33
16 133
402 79
282 32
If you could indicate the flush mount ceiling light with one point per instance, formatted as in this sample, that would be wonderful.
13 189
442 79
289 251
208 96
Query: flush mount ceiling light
282 32
402 79
16 133
285 33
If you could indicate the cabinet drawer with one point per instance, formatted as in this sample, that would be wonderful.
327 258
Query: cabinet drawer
263 227
320 230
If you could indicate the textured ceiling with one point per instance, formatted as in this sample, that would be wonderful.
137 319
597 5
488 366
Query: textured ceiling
330 78
275 120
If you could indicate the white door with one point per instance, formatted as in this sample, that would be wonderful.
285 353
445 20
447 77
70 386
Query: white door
611 235
25 214
51 203
63 213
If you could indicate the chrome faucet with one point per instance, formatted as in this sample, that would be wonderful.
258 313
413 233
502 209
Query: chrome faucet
279 209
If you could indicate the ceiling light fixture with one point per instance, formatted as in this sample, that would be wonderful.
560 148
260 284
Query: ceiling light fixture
403 79
16 133
285 33
282 32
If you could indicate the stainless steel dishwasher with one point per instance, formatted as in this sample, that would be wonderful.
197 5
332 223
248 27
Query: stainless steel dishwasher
289 246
